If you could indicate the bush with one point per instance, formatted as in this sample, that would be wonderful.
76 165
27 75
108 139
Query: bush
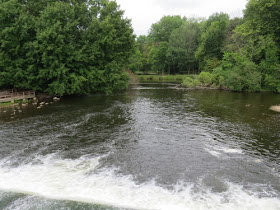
244 78
206 78
219 77
188 82
237 73
272 83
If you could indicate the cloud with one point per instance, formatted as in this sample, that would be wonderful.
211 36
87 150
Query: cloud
144 13
175 4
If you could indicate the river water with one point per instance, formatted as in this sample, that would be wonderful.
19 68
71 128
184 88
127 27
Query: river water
151 147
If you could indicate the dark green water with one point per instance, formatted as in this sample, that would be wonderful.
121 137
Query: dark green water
151 147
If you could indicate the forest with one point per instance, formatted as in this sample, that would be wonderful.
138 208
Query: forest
240 54
71 47
64 47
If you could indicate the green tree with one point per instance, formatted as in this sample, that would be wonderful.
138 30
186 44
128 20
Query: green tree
64 47
16 45
239 73
260 27
161 31
157 57
212 39
262 18
183 43
136 61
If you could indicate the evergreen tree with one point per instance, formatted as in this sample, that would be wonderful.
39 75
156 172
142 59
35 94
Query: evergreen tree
64 47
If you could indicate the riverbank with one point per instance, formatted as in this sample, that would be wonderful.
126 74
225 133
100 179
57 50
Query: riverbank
162 78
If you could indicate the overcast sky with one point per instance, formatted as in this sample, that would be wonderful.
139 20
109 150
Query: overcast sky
144 13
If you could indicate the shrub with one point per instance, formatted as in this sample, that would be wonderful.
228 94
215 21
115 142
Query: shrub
190 83
206 78
237 73
244 78
272 83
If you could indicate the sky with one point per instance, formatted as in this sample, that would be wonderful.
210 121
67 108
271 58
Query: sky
144 13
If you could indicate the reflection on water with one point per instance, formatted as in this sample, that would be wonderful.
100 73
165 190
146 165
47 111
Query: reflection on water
151 147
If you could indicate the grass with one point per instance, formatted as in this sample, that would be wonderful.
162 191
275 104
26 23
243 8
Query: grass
5 103
15 102
163 78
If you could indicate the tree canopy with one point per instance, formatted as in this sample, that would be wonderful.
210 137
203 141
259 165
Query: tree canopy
64 47
241 54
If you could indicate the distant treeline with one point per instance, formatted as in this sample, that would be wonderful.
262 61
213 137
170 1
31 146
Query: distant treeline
64 47
241 54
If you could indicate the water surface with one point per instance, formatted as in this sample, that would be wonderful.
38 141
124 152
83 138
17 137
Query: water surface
151 147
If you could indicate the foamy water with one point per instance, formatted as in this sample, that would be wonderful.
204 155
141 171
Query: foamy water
79 180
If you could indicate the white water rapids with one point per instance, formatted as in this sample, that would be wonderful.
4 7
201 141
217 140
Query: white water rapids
78 180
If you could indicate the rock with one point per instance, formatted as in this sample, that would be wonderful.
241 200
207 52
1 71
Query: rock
42 103
275 108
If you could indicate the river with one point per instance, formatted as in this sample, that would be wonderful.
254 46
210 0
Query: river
151 147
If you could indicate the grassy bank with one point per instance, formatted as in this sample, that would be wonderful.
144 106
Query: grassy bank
13 102
163 78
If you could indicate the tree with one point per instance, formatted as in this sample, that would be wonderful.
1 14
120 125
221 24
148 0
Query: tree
239 73
260 27
157 57
212 39
183 43
64 47
232 42
136 61
262 18
161 31
258 39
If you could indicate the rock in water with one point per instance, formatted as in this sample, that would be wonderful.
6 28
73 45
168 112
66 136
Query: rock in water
275 108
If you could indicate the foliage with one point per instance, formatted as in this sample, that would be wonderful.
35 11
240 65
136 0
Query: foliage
211 63
157 56
64 47
262 18
239 73
161 31
272 81
206 78
83 46
212 39
136 61
182 46
189 82
162 78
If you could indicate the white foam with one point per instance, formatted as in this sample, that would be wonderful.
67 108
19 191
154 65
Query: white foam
225 149
212 152
160 129
229 150
78 180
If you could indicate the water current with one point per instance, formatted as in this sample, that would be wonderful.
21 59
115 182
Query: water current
151 147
